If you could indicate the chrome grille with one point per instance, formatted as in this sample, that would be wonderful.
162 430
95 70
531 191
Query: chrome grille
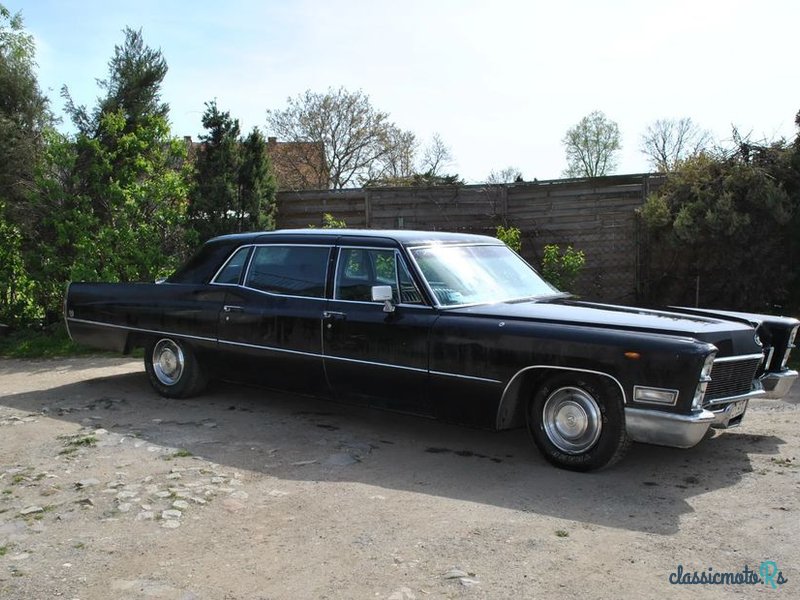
732 377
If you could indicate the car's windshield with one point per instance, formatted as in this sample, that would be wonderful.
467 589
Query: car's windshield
480 274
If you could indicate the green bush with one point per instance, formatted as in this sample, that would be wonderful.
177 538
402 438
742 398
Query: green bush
510 236
562 268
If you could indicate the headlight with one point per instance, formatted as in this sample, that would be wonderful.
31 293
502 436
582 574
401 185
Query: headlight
705 377
785 360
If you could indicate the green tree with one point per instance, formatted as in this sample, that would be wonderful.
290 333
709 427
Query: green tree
721 226
234 186
257 185
592 146
24 117
113 199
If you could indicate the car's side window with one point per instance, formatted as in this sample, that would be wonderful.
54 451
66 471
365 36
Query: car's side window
232 270
361 268
289 270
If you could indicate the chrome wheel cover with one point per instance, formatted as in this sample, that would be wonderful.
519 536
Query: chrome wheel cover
168 362
572 420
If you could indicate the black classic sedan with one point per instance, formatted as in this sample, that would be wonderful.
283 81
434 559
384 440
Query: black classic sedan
451 326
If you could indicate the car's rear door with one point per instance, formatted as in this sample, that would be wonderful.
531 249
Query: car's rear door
270 324
372 356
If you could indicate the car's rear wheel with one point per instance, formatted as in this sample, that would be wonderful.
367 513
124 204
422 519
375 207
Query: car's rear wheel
173 368
578 422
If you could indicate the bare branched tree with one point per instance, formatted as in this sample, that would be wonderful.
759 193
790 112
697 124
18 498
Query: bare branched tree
436 157
507 175
354 134
592 146
666 142
398 159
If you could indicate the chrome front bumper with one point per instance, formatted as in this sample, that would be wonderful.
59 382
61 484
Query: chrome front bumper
776 385
667 429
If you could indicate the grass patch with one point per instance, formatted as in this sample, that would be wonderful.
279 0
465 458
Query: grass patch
36 342
3 550
178 454
562 533
7 492
73 442
79 546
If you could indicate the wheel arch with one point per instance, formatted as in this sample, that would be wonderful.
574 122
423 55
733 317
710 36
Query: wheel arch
511 410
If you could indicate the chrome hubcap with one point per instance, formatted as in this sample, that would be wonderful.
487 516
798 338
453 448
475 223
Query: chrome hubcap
168 362
572 420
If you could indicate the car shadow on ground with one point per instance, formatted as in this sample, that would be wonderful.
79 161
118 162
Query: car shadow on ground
298 438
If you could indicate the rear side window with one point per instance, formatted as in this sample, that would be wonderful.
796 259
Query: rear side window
232 271
289 270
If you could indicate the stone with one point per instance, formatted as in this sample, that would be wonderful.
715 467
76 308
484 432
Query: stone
124 507
240 495
171 514
31 510
145 515
85 483
455 574
180 504
171 524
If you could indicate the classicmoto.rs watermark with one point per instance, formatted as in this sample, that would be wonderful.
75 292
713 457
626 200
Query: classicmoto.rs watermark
767 574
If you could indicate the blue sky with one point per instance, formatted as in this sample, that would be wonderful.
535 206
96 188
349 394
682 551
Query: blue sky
500 81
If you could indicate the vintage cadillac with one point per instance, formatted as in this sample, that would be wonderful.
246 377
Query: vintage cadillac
451 326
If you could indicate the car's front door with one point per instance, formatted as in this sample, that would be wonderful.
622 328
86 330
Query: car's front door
373 356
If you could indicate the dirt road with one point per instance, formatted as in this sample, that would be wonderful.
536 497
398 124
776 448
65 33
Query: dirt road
109 491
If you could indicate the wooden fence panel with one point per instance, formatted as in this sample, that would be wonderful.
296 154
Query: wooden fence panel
597 216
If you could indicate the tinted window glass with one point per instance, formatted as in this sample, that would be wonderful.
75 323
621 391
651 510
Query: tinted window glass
361 268
233 270
291 270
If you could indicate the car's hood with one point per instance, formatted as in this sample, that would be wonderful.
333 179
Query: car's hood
731 335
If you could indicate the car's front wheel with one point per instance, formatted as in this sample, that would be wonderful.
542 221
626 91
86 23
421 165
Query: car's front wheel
173 368
578 422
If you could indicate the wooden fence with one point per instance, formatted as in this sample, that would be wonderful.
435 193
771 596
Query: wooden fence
597 216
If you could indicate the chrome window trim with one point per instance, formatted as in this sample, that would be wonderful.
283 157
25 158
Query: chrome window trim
276 294
225 264
397 255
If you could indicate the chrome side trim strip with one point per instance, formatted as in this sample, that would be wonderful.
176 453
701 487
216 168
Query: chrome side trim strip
157 332
284 350
459 376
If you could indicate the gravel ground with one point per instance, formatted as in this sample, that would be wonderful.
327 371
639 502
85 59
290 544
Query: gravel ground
109 491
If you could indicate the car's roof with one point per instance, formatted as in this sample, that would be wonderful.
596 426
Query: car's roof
402 236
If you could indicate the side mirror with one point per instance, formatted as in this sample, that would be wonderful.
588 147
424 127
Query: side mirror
383 293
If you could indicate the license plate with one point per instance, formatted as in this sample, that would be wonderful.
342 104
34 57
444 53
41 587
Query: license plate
737 408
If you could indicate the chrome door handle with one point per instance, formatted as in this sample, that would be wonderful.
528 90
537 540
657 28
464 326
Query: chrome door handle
228 308
337 316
